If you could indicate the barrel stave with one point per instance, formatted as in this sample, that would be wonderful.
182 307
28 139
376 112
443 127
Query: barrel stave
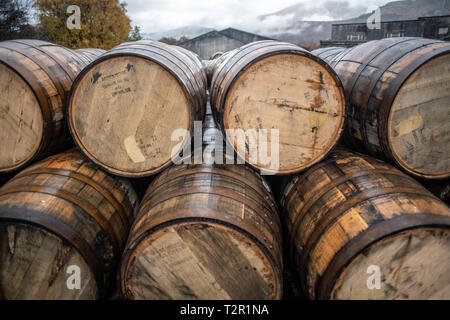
224 217
346 204
81 215
45 73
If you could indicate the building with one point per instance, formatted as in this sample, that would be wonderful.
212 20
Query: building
351 34
207 44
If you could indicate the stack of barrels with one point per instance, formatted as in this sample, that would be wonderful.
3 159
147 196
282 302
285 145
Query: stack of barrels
358 224
35 80
205 231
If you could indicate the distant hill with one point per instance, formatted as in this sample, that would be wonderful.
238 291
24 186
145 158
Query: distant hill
305 25
303 32
189 32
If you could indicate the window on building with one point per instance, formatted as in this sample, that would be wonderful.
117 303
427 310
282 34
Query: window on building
395 34
354 36
443 31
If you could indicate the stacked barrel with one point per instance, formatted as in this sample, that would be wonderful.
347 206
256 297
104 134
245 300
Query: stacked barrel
62 212
283 89
166 196
35 79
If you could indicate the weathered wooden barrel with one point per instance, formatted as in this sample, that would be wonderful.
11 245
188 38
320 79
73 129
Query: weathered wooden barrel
211 65
59 218
354 221
35 78
267 86
327 54
92 53
216 55
125 107
204 232
195 59
398 90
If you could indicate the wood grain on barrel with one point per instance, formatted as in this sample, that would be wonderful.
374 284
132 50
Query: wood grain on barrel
60 212
339 210
92 53
35 78
204 232
329 53
270 85
125 108
398 93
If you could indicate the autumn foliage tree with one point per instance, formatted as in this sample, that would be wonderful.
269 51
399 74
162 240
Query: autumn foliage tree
104 23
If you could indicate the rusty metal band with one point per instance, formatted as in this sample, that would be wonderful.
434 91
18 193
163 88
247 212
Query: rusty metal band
272 222
41 48
127 220
226 73
206 215
392 93
87 153
167 56
63 231
245 62
380 72
340 56
331 216
56 82
251 195
72 198
214 170
304 176
173 216
356 75
364 240
274 258
38 90
159 182
227 64
365 63
335 183
85 56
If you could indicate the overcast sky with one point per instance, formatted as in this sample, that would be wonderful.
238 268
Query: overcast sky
161 15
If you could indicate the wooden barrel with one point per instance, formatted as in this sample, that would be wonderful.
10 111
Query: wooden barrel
327 54
59 218
216 55
267 86
352 218
92 53
210 66
204 232
398 90
35 78
125 107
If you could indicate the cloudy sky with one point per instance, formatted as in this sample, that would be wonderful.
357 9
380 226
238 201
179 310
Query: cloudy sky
161 15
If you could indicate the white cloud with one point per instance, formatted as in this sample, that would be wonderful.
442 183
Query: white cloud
160 15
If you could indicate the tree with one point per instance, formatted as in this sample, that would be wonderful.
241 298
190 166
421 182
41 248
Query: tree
103 23
14 20
135 34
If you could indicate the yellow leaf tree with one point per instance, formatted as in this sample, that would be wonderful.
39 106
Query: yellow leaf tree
103 23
